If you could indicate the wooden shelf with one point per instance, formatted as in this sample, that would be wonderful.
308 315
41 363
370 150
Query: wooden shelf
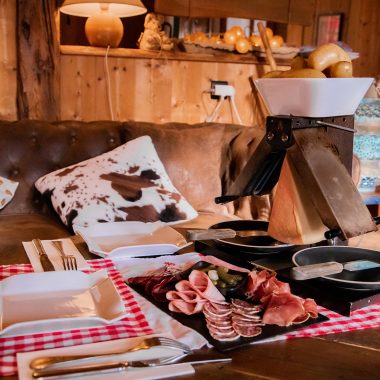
209 56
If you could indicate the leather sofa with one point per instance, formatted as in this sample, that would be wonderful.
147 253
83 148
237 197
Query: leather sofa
201 160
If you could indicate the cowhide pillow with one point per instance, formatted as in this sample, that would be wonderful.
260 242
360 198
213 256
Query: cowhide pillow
128 183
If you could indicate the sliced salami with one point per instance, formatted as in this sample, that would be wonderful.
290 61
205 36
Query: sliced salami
219 327
211 310
225 337
247 331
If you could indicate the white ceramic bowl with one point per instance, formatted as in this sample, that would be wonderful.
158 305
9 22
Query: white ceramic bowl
312 97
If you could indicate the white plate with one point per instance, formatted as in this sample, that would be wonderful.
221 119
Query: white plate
313 97
131 239
57 301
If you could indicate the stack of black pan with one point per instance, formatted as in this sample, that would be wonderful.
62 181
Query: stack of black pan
251 238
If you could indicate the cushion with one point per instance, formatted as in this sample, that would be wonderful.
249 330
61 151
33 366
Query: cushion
194 156
128 183
7 191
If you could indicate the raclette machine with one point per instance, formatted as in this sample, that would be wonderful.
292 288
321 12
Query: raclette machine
320 149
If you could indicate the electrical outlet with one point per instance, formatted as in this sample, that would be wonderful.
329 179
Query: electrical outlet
216 82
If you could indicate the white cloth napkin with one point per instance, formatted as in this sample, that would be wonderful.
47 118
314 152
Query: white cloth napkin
25 373
54 256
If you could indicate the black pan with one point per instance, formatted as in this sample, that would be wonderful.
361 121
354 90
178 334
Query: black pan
367 279
259 245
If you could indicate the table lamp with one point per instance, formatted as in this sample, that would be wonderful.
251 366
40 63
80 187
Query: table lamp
103 26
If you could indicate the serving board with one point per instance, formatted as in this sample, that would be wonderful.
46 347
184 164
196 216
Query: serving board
197 322
342 301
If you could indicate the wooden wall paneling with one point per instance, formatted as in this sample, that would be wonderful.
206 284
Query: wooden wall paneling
38 60
301 12
172 7
237 76
294 35
179 89
125 88
102 109
154 90
8 60
78 87
363 35
162 79
197 79
275 10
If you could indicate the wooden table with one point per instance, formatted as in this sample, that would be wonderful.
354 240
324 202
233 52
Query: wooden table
351 355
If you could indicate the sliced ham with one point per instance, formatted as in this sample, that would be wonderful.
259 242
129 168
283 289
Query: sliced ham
188 296
188 308
203 285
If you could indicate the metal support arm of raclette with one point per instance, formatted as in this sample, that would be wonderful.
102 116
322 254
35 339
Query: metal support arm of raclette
320 149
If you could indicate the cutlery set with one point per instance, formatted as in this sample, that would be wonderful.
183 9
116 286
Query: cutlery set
72 366
69 261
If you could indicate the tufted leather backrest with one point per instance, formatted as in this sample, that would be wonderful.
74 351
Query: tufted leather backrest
30 149
202 159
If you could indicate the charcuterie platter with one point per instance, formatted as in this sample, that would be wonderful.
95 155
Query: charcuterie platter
230 306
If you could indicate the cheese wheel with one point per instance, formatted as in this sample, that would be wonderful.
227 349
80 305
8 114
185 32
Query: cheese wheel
294 219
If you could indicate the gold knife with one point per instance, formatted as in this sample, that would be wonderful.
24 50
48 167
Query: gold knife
47 265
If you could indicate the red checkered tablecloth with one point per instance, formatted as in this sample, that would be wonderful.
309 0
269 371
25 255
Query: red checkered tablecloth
133 325
368 317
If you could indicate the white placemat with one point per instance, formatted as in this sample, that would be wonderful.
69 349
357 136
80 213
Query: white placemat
54 256
174 370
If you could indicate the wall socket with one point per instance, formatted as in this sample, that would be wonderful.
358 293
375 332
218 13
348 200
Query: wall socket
213 83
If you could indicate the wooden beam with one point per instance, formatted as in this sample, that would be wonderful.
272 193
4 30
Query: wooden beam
38 60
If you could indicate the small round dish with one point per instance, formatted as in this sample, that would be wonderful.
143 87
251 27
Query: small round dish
229 291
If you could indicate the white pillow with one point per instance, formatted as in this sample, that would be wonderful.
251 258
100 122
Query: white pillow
128 183
7 191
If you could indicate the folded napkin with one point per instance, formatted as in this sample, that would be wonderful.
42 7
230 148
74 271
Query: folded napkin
54 255
173 370
7 191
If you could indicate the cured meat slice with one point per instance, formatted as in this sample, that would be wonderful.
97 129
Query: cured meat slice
238 318
220 329
181 306
187 295
201 282
219 323
282 309
294 219
255 280
269 287
224 337
248 331
217 310
311 307
301 319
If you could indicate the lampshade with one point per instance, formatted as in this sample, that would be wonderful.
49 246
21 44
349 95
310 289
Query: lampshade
103 26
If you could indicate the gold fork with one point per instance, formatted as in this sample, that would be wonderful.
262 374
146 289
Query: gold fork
45 362
69 261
